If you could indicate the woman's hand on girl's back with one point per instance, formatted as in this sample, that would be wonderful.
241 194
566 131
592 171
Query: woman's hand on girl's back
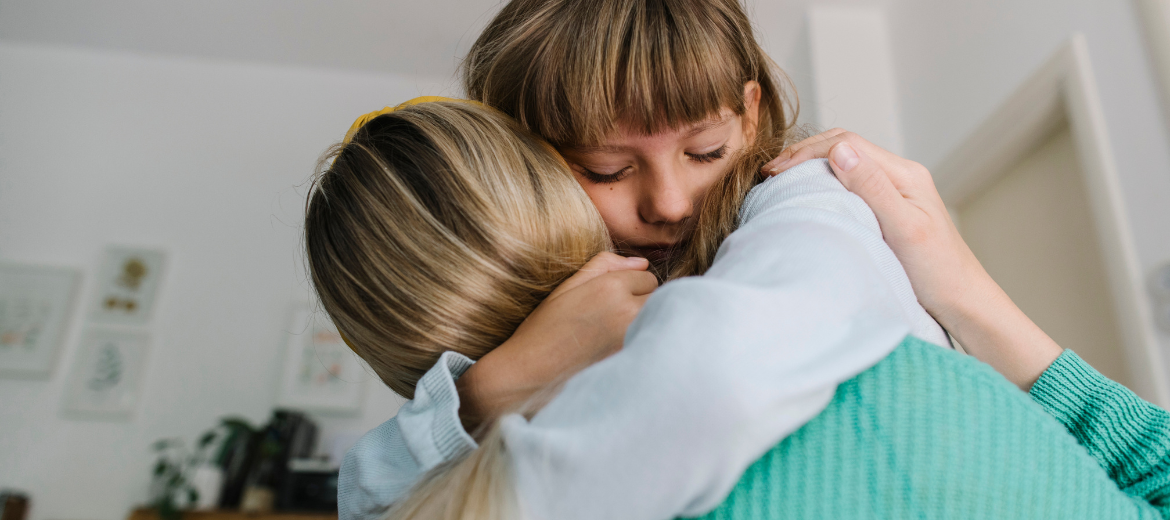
583 321
947 278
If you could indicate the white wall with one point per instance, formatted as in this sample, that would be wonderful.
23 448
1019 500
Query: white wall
206 160
853 72
956 61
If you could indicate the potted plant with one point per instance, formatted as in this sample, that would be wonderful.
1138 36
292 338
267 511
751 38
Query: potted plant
181 477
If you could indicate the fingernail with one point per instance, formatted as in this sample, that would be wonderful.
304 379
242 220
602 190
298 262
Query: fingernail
844 157
776 168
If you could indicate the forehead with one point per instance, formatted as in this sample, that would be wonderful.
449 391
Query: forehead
626 136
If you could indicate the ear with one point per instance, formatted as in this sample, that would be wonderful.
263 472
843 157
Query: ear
751 110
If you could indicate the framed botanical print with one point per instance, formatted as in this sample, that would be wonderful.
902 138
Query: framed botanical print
320 373
35 304
107 374
127 285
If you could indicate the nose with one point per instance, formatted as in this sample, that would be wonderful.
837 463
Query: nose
666 198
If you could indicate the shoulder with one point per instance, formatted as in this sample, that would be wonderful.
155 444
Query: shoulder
376 472
810 186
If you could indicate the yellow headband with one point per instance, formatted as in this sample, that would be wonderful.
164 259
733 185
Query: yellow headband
361 121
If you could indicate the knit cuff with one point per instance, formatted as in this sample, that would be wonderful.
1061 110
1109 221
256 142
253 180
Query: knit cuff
449 436
1125 434
430 422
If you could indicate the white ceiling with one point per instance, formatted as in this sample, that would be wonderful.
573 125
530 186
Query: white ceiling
413 37
406 37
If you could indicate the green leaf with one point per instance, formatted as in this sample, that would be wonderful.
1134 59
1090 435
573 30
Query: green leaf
237 423
160 467
207 438
192 496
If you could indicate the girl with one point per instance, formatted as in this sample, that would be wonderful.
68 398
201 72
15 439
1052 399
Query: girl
429 203
642 76
631 93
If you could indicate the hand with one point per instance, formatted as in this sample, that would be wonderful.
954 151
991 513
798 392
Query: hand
947 278
583 321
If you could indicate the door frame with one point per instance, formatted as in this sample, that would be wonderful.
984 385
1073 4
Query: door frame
1063 91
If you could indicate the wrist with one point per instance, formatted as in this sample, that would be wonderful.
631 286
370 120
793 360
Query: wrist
469 388
990 327
494 385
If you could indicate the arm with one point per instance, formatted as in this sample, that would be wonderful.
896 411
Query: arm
589 312
717 369
1129 437
949 281
386 463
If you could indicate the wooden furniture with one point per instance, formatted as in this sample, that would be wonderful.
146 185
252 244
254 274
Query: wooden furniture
150 514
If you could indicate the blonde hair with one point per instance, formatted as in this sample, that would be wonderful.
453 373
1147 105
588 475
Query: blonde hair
570 70
440 227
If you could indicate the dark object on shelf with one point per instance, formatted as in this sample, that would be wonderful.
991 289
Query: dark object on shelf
240 451
296 436
310 485
256 460
14 505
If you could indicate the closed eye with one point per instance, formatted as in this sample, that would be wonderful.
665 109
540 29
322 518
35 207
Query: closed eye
604 178
712 156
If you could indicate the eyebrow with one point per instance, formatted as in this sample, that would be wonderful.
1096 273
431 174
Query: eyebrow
697 129
706 125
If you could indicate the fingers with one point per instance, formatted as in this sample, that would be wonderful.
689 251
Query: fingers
818 147
862 175
605 262
601 264
783 160
636 282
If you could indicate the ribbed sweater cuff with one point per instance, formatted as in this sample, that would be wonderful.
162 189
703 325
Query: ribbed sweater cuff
1125 433
447 433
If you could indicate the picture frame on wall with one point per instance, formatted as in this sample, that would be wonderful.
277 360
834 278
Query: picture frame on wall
319 371
106 378
127 286
35 305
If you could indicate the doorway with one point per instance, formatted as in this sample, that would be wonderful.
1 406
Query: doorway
1034 190
1032 229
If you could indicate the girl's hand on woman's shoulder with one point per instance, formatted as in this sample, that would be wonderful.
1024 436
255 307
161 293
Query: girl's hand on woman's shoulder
947 278
583 321
914 220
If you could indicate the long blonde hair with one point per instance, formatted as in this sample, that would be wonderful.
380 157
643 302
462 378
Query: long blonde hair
441 226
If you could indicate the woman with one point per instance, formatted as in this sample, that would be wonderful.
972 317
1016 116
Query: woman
429 199
648 101
556 69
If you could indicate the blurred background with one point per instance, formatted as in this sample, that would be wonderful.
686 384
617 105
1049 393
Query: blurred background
154 159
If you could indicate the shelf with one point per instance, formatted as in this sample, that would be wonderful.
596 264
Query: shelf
150 514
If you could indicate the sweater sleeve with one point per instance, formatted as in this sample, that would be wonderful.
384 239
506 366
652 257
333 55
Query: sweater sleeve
1128 436
388 460
717 369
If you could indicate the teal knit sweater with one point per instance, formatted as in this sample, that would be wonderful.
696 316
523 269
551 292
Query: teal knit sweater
930 433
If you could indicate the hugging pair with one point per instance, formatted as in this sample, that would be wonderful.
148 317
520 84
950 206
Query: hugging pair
785 370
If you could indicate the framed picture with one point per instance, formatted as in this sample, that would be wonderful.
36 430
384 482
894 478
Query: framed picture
107 373
34 315
127 285
320 373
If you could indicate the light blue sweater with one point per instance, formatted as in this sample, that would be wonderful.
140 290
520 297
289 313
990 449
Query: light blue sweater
805 295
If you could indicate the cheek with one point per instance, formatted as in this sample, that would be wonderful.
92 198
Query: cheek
617 206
